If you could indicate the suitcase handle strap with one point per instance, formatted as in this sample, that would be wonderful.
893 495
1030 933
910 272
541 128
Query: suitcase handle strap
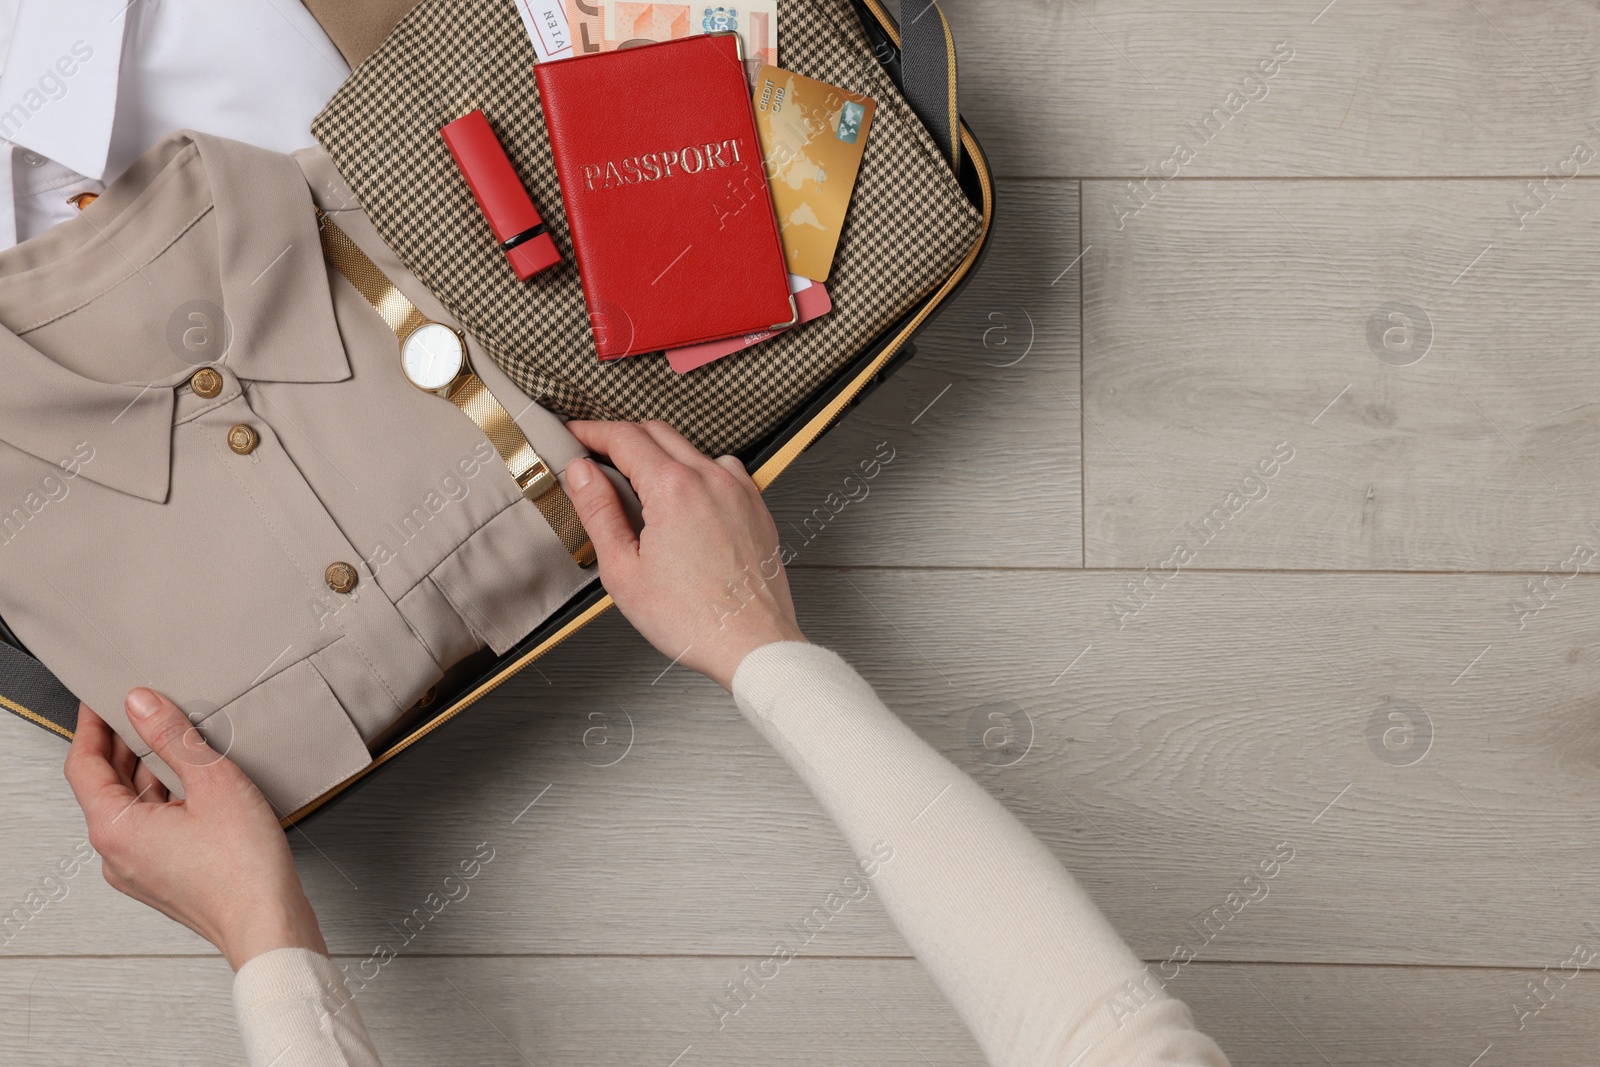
29 690
927 61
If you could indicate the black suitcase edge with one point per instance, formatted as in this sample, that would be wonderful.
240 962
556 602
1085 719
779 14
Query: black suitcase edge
765 460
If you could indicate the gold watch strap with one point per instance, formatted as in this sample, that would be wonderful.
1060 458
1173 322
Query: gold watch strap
538 482
534 477
400 313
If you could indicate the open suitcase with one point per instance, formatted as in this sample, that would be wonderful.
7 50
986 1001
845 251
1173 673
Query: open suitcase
922 65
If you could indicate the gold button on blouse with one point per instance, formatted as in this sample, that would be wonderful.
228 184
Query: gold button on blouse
341 577
206 383
243 439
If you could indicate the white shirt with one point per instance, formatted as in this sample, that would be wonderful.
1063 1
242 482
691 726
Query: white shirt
87 85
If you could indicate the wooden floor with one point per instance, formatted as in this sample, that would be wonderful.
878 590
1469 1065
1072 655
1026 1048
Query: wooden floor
1259 497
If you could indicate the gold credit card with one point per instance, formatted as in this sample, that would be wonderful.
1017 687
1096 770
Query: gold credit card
812 135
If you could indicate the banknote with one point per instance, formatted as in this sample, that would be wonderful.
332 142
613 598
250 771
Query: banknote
603 26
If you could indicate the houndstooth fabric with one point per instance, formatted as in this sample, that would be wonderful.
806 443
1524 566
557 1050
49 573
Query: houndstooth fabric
909 224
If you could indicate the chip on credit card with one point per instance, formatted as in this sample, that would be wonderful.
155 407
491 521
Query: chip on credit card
812 136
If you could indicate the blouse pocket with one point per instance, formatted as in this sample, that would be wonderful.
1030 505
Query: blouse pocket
290 735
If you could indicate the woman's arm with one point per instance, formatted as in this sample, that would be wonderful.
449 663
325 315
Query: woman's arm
217 862
293 1011
1010 938
1006 933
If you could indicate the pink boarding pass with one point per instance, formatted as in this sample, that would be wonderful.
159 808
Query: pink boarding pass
810 298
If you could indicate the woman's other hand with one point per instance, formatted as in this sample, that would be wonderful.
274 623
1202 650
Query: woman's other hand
216 860
704 581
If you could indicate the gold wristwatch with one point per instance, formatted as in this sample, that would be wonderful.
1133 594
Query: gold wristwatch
433 357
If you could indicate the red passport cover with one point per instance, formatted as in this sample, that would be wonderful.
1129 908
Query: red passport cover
666 194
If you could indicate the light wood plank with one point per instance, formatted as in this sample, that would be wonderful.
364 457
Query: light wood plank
1231 714
1225 718
982 424
1295 1016
1106 88
629 1011
622 1012
1229 318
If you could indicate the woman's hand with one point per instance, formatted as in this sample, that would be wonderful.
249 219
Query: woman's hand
704 582
216 860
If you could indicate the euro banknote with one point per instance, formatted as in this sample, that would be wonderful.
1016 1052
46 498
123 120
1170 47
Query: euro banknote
601 27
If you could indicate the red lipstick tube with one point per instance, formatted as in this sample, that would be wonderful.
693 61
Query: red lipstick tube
522 234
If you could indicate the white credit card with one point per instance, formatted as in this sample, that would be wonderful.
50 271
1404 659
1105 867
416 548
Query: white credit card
546 23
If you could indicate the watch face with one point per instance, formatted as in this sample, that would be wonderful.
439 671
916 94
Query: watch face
432 356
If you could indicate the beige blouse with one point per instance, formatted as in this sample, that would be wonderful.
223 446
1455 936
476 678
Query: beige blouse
200 422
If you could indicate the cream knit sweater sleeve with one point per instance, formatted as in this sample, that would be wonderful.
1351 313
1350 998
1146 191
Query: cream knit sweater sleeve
1021 953
293 1011
1011 940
